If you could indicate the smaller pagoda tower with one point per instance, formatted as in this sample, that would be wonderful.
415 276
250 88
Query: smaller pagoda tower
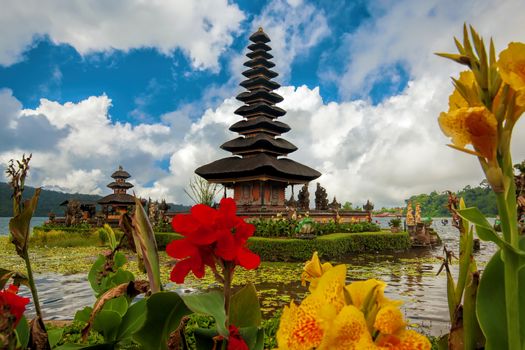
119 201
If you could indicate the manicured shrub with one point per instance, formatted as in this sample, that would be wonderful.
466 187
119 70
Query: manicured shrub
335 246
284 227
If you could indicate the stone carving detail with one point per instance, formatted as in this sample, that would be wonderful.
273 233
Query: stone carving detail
335 205
303 198
368 206
321 198
73 213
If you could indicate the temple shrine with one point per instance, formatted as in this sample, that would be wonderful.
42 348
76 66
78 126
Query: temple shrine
258 170
119 201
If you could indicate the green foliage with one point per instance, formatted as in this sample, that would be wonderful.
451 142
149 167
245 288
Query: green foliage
164 311
71 334
396 222
330 247
107 273
284 227
490 303
435 204
164 238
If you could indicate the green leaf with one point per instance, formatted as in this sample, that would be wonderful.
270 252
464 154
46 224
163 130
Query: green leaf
211 303
119 305
253 337
490 305
120 259
471 332
107 323
105 346
143 234
22 332
84 314
244 308
164 311
132 320
112 240
19 224
54 335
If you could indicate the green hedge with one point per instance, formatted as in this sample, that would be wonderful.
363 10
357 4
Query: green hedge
335 246
163 238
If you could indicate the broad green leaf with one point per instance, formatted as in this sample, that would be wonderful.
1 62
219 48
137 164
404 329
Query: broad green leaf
164 311
252 336
465 258
93 274
132 320
244 308
119 305
490 305
211 303
112 240
22 332
119 259
84 314
107 323
471 332
442 343
19 224
143 233
54 336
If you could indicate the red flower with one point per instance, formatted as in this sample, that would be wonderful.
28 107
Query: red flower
12 303
235 341
210 234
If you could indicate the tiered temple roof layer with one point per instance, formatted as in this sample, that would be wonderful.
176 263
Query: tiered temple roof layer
258 152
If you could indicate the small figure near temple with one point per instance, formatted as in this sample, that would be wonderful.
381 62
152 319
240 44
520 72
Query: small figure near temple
303 198
321 198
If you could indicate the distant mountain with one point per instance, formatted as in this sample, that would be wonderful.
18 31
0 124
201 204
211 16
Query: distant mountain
50 201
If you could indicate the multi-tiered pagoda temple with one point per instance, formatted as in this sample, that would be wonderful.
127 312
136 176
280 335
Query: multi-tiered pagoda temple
119 201
258 171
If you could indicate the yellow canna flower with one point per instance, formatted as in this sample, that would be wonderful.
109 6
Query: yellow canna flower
304 326
472 125
348 331
389 320
456 100
313 270
406 339
360 290
511 65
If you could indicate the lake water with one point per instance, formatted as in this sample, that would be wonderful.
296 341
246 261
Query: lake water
4 224
411 277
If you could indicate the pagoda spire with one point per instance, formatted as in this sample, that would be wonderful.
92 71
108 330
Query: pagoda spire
259 152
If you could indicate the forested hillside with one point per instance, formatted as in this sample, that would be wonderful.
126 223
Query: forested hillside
435 204
50 201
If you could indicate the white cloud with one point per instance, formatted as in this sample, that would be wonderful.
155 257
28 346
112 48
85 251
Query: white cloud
201 29
410 31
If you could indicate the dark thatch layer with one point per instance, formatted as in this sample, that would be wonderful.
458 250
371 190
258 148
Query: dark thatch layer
260 123
258 96
120 185
260 108
117 198
259 142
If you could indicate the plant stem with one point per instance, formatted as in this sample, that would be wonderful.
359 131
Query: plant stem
228 274
32 285
511 266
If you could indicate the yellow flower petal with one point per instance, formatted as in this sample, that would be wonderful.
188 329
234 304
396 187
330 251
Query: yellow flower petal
389 320
313 270
348 331
511 65
359 290
303 327
471 125
404 340
456 100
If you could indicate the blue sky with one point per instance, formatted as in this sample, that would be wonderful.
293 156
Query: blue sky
151 86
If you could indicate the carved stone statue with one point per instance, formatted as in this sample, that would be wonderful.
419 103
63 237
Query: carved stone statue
335 205
73 213
303 198
368 206
153 212
321 198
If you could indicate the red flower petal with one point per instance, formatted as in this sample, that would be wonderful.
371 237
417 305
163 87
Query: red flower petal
180 271
226 247
235 341
181 248
15 303
247 259
228 207
184 224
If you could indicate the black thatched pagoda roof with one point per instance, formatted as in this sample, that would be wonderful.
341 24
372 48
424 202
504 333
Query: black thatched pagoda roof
258 145
120 173
125 185
117 198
